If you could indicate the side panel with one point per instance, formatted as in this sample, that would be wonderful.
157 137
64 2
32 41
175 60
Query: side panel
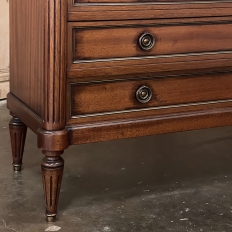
27 52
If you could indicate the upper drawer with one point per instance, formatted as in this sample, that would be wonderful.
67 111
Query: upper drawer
142 41
80 10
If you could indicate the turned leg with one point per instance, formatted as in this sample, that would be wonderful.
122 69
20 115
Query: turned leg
52 144
18 131
52 171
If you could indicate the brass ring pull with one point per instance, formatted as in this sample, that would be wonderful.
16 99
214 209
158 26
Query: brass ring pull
147 41
144 94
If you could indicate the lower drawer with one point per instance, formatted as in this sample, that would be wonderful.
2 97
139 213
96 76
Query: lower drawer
94 98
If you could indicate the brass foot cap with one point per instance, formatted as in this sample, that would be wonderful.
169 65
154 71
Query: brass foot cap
17 167
51 218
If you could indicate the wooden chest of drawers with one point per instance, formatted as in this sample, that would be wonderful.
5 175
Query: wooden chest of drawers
94 70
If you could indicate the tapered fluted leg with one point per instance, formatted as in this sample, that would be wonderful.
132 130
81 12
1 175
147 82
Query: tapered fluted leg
18 131
52 171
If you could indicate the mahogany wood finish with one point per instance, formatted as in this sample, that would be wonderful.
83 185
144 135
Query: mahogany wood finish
76 67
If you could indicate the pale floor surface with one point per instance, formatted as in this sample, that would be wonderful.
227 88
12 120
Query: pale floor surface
173 182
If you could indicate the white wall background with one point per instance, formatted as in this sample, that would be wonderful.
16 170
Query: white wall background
4 47
4 34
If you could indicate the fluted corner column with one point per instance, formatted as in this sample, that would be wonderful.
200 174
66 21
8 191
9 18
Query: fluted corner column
53 137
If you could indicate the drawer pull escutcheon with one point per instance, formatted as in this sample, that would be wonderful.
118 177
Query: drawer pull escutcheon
144 94
146 41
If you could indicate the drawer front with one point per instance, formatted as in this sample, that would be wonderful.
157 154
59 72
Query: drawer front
112 43
88 10
170 3
120 96
137 1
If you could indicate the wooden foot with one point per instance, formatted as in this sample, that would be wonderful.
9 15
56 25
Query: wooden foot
52 171
18 131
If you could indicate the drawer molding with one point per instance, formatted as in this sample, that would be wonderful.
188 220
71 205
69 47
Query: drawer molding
160 4
150 125
187 64
155 57
152 108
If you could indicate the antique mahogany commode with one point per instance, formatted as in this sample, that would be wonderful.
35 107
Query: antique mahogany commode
84 71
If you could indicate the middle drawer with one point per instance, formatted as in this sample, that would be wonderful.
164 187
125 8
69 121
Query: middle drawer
141 41
120 96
